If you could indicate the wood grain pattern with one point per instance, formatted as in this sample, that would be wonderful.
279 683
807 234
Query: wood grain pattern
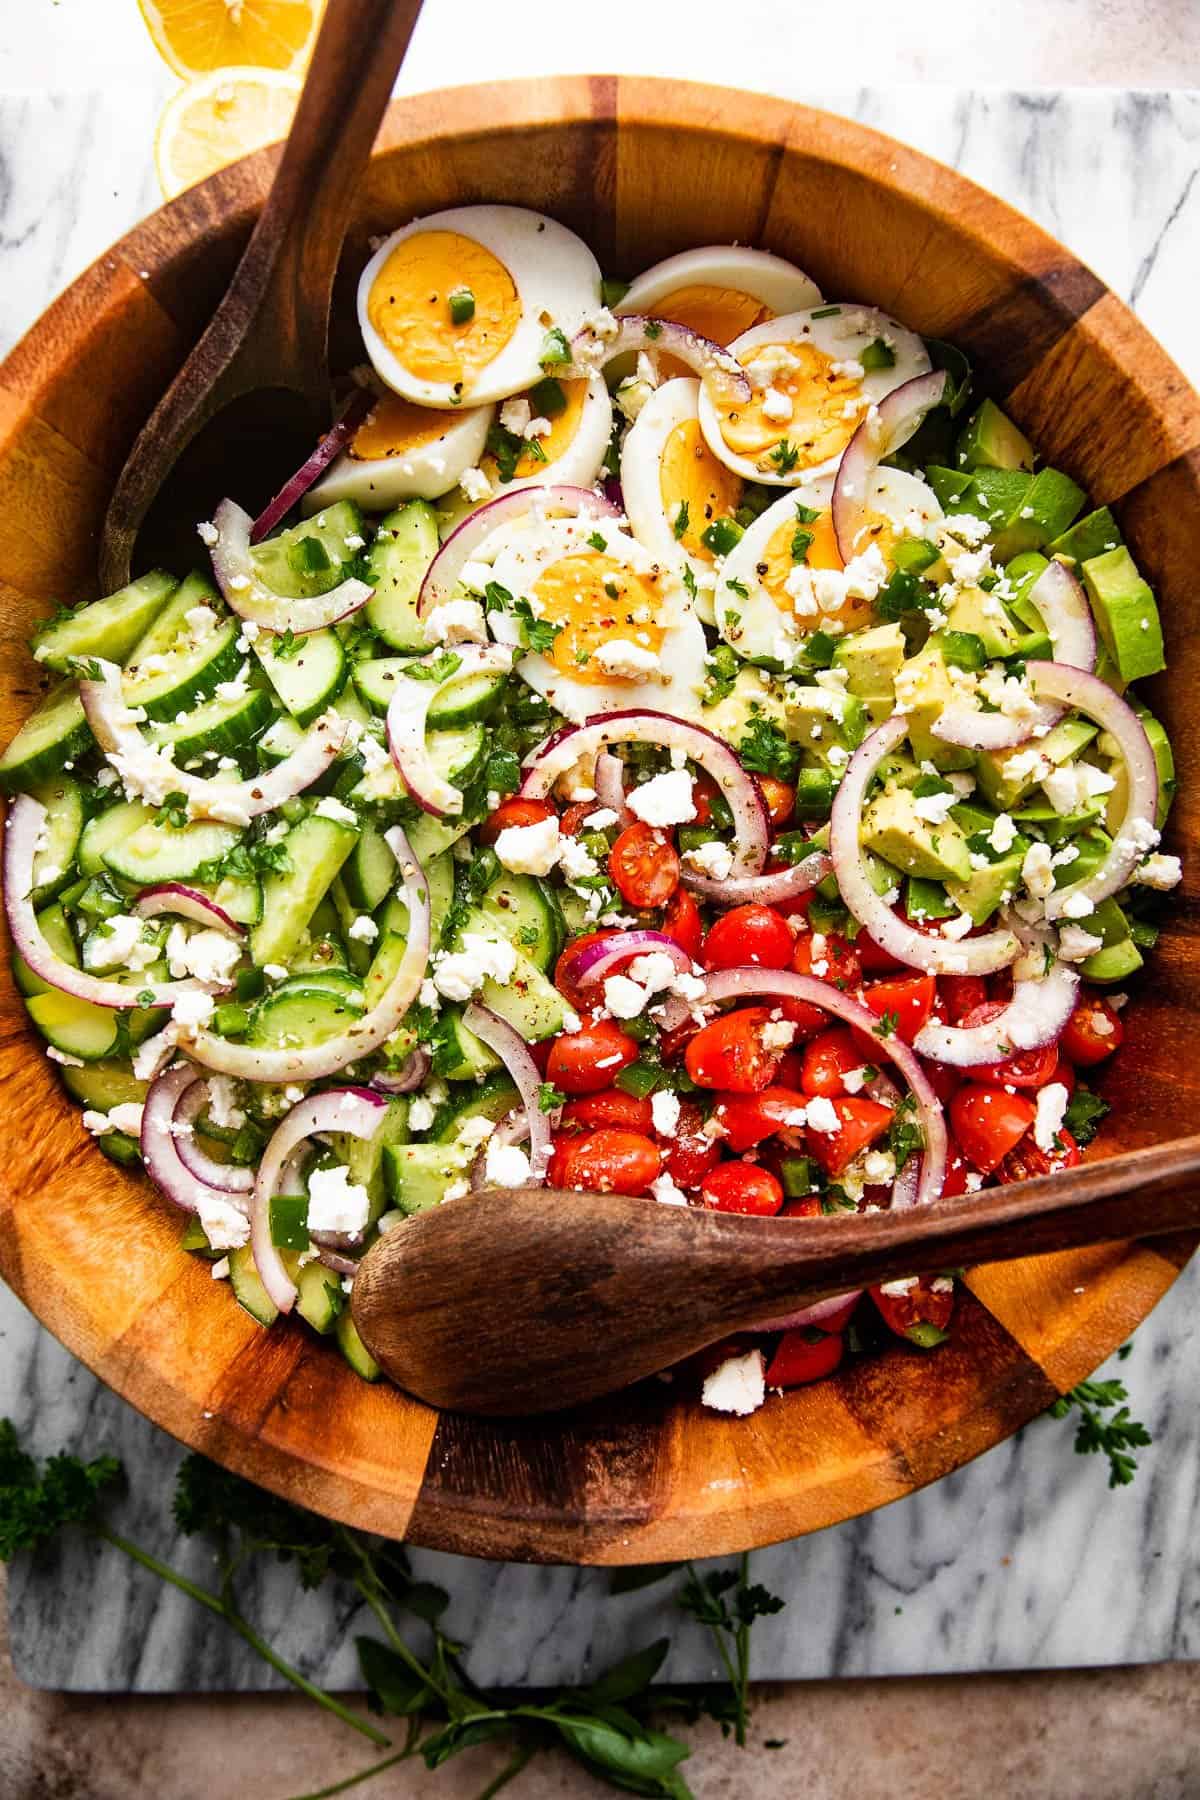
642 168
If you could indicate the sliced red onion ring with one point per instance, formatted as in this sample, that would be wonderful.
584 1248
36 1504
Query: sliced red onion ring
720 371
751 825
227 1178
513 1052
407 1078
1136 834
247 595
1034 1016
407 712
610 786
160 1146
442 575
23 828
1067 617
314 1061
888 425
513 1128
149 773
188 903
613 492
821 1310
597 960
937 955
769 890
747 983
353 1109
331 445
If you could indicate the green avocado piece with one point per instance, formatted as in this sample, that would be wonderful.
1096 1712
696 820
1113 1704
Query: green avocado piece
985 889
1118 957
949 486
1006 776
996 495
1126 613
1056 827
1090 536
871 660
990 440
815 726
893 829
984 616
926 899
1048 508
749 697
1093 846
1164 759
926 689
311 558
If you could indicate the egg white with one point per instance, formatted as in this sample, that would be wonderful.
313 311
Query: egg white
557 281
423 473
771 280
641 456
841 335
579 464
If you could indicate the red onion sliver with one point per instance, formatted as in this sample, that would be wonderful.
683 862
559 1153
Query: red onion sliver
610 786
769 889
513 1052
247 595
227 1178
820 1310
160 1147
442 575
407 712
1033 1017
353 1109
919 950
313 1061
144 769
711 753
188 903
720 371
407 1079
334 441
886 427
597 960
23 828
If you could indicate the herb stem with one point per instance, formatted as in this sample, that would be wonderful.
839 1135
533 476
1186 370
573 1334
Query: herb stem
510 1771
350 1781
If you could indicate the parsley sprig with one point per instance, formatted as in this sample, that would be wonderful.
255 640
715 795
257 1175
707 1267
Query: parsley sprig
1113 1436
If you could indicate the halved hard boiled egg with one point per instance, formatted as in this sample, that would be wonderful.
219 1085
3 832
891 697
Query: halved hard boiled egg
675 489
455 308
721 290
403 452
786 578
814 376
553 432
624 634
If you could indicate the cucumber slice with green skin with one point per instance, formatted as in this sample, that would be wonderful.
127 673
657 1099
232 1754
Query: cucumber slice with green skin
439 878
460 1055
529 1002
61 831
187 675
417 1175
155 852
195 1239
430 837
247 1286
56 929
573 908
286 567
108 628
278 741
462 702
238 895
355 1351
405 545
315 954
120 1148
171 627
320 1301
358 951
218 726
107 830
455 755
316 849
363 1157
527 912
492 1100
75 1027
104 1085
53 736
369 874
308 677
302 1013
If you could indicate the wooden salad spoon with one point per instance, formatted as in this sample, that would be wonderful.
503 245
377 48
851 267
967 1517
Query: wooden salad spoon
527 1300
253 397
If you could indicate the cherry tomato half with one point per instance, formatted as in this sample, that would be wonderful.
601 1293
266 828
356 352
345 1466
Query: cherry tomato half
988 1123
587 1060
779 798
860 1123
741 1187
730 1053
682 922
690 1154
515 811
1093 1031
960 995
1027 1069
921 1305
827 1059
1028 1161
644 865
566 979
805 1355
749 1118
907 1000
610 1107
571 823
827 957
607 1161
748 934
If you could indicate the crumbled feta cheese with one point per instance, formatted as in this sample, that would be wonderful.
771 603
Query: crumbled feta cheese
474 1131
537 428
329 808
625 659
335 1203
896 1290
602 324
879 1167
515 415
420 1113
664 1112
777 1034
738 1385
150 1056
456 622
459 973
1159 872
854 1080
1051 1106
666 1192
1037 872
507 1165
601 819
713 859
220 1269
235 689
935 808
1075 785
822 1114
363 929
576 860
225 1226
776 405
958 927
475 485
624 998
209 955
119 933
865 574
194 1009
654 971
275 971
208 533
1074 943
1078 906
222 1107
1003 834
64 1058
967 528
530 849
664 800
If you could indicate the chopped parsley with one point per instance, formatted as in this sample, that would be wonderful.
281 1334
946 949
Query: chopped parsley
286 644
765 749
785 456
440 668
547 397
801 544
1113 1437
739 588
1084 1113
597 541
680 523
173 812
555 349
550 1098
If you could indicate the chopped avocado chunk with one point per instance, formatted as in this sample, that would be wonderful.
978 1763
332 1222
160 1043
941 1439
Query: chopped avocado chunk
986 889
1090 536
749 697
893 829
1048 508
1119 956
996 495
871 660
1093 846
926 899
949 485
924 689
990 440
984 617
1126 613
1006 776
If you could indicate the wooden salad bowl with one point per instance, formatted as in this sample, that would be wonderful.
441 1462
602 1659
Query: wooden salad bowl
641 168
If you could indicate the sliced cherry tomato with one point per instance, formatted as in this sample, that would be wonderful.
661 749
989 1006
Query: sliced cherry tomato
809 1019
959 995
944 1080
515 811
749 1118
748 934
779 798
682 922
919 1311
907 1000
1065 1073
571 822
805 1355
1093 1031
565 978
704 792
690 1154
607 1161
955 1182
741 1187
860 1122
587 1060
1028 1161
644 865
1027 1069
610 1107
988 1123
874 958
805 1206
828 957
730 1053
827 1059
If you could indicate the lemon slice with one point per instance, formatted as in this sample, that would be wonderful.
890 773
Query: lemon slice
197 36
218 118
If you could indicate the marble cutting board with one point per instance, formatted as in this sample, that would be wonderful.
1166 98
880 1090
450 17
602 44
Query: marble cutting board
1022 1560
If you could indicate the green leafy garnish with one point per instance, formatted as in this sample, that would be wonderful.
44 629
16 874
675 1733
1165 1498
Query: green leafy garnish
550 1098
555 349
438 668
286 644
1084 1113
765 749
173 811
680 523
785 456
1095 1434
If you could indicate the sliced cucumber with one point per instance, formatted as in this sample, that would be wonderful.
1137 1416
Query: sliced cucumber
165 852
308 678
171 627
439 877
529 1002
363 1157
528 913
120 1148
491 1100
314 556
108 628
165 683
461 1056
369 874
247 1286
462 702
431 837
358 951
316 849
317 952
355 1351
405 545
321 1301
75 1027
107 830
50 738
217 726
61 832
417 1175
238 895
56 929
455 755
300 1013
104 1085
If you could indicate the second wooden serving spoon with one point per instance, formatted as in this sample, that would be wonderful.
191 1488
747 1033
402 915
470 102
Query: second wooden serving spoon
526 1300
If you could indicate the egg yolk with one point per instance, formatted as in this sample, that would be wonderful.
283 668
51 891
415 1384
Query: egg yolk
595 601
409 306
563 418
395 426
777 562
827 409
690 475
719 313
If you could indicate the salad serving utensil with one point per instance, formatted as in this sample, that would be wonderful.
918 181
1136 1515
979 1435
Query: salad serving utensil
526 1300
254 395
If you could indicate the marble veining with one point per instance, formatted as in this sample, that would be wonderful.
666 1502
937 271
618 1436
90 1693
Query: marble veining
1024 1559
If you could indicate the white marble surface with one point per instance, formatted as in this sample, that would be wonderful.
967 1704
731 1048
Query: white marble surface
1023 1560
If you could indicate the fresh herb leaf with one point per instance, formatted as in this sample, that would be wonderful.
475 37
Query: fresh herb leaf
1114 1436
550 1098
173 811
286 644
765 749
438 668
680 523
597 541
888 1023
1084 1113
785 456
801 544
555 349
